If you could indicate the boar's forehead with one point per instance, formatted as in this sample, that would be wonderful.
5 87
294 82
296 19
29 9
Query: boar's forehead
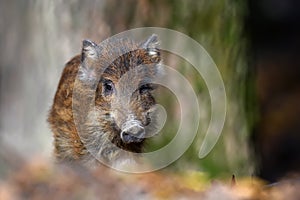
138 63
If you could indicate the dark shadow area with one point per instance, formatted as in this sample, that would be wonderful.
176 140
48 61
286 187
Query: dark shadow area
273 27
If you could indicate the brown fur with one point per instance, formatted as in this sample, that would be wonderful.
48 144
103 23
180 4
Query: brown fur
101 134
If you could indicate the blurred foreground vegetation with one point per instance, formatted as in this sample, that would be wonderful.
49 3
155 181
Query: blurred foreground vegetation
40 179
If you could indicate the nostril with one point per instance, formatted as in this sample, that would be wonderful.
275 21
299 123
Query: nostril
135 130
133 134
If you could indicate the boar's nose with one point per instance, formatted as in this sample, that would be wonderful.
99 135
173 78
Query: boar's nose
132 132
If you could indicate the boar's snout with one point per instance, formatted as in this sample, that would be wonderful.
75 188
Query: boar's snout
132 132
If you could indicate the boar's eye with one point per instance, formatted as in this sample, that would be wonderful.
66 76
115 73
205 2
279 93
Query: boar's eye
108 88
145 88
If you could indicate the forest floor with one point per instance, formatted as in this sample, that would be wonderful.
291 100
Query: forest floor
40 179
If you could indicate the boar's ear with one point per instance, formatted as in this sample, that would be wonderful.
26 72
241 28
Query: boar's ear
90 52
151 42
89 56
151 45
